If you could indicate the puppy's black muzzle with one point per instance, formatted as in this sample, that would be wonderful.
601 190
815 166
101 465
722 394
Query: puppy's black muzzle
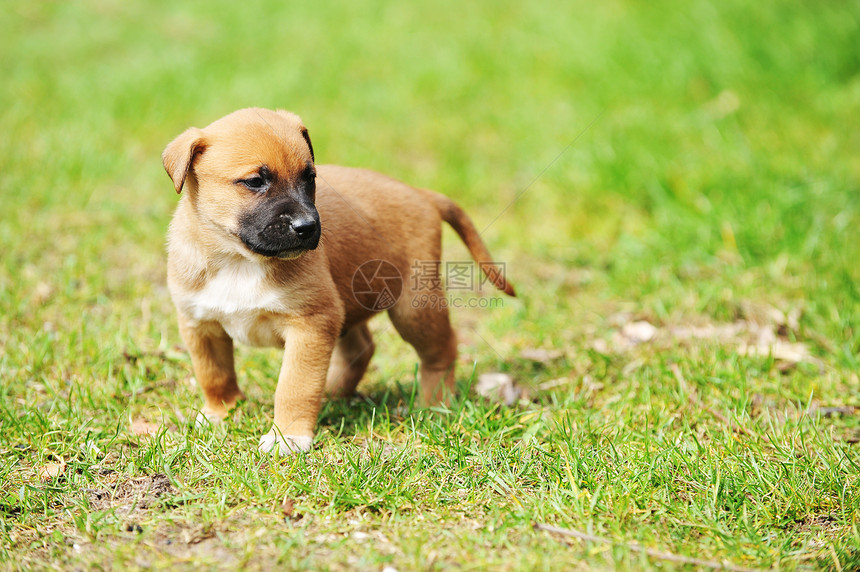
282 229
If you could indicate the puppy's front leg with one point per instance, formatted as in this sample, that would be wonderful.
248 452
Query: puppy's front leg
211 352
298 397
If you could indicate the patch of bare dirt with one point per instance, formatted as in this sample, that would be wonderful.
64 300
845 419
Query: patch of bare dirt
760 331
139 493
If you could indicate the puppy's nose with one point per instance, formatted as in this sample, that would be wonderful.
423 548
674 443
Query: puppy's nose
304 227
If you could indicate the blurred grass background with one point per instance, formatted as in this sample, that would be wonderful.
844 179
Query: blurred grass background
669 159
723 135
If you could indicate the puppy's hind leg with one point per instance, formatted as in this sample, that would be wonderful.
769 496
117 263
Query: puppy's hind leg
349 361
428 329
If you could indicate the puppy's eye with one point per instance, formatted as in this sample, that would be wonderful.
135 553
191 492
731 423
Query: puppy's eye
254 183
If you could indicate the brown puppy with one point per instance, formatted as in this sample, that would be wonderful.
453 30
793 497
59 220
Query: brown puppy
265 248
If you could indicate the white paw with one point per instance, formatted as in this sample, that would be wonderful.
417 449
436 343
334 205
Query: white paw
205 420
285 444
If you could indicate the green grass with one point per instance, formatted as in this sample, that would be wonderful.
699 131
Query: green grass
718 179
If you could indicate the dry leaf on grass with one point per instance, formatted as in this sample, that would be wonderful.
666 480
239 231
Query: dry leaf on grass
638 332
287 507
500 388
52 470
630 335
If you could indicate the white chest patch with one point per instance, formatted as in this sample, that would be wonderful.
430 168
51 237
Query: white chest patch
243 301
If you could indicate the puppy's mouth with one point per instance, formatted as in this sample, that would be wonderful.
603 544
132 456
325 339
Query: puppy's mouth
291 254
288 253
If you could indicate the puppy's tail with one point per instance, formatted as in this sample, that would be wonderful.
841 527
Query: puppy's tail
465 228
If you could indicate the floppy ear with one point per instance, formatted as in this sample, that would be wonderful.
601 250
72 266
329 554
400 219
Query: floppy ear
308 141
179 154
304 130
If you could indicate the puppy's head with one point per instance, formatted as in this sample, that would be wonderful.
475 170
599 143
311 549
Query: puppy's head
250 177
